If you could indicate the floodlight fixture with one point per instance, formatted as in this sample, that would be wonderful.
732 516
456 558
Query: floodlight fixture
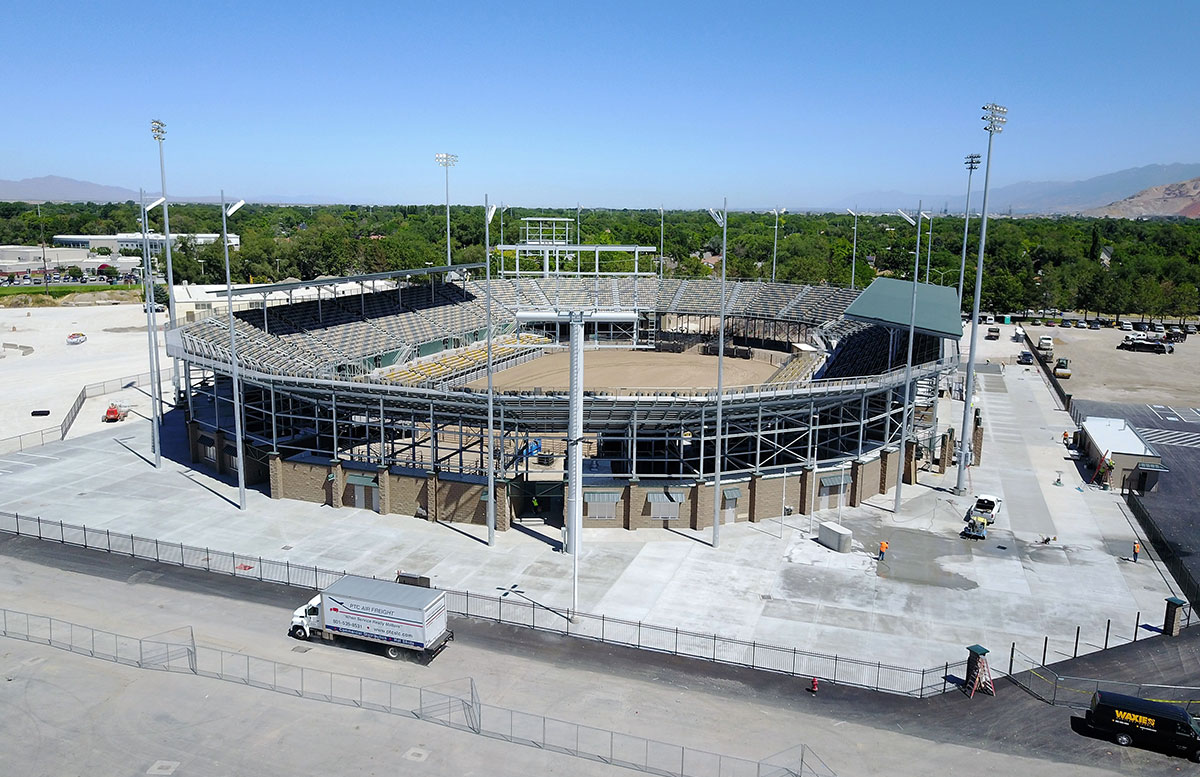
717 217
996 117
906 217
155 204
235 207
971 161
158 130
446 160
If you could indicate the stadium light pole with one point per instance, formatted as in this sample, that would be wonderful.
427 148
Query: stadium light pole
489 211
929 247
447 161
994 118
159 131
151 337
972 163
722 219
662 234
854 250
42 240
775 250
912 322
503 208
236 381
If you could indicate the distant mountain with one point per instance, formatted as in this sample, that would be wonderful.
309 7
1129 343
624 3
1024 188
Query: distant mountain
54 188
1039 197
1173 199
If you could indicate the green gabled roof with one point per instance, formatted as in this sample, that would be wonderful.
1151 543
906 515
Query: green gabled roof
888 301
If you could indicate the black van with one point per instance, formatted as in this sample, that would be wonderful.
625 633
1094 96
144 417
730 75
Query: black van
1130 719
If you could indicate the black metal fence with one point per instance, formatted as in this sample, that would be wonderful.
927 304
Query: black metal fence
1164 548
873 675
1047 366
1060 690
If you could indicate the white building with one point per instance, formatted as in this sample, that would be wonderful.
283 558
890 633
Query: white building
133 241
23 260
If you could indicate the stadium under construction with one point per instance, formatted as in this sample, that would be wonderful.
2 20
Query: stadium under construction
372 394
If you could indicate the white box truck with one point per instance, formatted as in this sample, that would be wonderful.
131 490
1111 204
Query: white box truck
399 617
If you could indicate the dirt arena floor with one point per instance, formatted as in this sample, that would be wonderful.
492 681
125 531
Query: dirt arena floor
615 369
1101 372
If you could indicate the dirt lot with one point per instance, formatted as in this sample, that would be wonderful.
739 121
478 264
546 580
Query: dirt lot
1103 373
609 369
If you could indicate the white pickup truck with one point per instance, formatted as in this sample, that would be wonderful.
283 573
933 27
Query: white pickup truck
986 508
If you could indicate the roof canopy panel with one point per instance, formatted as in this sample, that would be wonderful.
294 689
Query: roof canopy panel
888 301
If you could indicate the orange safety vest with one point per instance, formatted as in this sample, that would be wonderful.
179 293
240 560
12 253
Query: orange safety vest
1137 547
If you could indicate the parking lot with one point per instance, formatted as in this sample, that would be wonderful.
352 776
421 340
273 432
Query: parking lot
1102 372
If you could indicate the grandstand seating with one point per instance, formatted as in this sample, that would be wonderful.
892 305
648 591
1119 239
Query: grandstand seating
347 331
449 363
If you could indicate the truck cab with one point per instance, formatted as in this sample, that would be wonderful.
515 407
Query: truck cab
306 620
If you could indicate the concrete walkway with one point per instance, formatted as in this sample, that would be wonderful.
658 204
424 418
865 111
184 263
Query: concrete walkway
932 596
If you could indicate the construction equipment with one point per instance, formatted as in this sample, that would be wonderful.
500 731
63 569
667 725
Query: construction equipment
976 528
1062 368
115 413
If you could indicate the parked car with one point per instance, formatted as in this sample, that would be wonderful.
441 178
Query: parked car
1126 326
1158 327
1141 326
1189 329
1094 325
1146 346
1025 358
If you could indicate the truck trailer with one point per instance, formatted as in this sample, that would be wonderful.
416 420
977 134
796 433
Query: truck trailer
399 617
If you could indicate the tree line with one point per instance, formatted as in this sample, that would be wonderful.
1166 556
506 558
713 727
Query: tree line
1109 266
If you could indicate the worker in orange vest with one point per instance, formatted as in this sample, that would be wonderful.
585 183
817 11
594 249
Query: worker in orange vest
1137 548
883 546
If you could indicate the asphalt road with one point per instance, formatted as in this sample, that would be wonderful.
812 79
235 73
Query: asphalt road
68 714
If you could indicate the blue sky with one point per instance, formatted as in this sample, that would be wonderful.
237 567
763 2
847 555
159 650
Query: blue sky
608 104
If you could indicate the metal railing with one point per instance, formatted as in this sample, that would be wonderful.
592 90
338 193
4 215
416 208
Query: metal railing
1065 691
55 433
455 704
872 675
161 654
34 439
1166 551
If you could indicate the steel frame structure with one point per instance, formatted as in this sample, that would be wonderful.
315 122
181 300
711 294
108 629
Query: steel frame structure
666 435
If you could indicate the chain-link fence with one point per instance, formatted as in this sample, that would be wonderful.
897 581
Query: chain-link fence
873 675
40 437
151 653
1065 691
455 704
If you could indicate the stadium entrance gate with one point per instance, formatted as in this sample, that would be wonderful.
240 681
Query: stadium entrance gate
538 501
